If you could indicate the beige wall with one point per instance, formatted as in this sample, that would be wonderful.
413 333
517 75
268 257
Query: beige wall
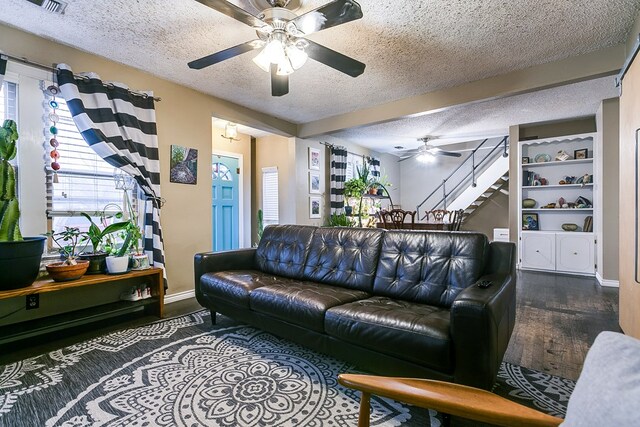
607 157
629 123
183 117
242 150
493 213
278 151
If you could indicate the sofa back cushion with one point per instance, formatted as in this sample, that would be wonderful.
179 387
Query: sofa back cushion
429 267
344 257
283 250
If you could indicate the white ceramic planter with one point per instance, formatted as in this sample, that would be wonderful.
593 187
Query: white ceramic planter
117 264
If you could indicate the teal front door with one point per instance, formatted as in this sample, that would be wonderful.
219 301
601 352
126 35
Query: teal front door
225 174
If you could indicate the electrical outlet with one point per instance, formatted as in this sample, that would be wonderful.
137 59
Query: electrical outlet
33 301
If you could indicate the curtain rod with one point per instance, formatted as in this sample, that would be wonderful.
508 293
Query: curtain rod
329 145
77 76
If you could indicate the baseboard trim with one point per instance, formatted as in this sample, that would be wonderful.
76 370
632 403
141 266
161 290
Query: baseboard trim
168 299
607 283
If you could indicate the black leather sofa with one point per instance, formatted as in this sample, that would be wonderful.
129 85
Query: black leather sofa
393 302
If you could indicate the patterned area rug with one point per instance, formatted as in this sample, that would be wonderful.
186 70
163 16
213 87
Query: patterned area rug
183 372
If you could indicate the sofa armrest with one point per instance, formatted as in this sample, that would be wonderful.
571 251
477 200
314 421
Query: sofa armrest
482 320
212 262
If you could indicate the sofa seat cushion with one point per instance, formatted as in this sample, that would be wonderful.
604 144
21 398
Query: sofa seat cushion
301 303
235 286
415 332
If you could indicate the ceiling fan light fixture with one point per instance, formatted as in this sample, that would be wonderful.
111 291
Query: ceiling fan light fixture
262 61
296 56
426 157
284 68
231 132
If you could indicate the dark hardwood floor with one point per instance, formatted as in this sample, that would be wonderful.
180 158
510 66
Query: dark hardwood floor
557 319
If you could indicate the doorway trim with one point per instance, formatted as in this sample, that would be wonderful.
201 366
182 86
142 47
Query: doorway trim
240 158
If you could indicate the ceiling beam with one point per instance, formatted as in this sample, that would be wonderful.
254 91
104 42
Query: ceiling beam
593 65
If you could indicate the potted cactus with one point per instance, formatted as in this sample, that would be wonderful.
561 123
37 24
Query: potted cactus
19 257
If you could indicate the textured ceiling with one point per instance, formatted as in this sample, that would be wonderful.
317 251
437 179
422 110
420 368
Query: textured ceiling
410 47
485 119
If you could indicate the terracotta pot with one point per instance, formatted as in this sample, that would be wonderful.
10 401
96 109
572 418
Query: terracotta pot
60 272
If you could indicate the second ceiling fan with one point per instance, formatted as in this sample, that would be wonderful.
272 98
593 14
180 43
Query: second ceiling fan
427 151
282 38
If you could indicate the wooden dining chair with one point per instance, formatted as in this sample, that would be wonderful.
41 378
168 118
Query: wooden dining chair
396 219
456 222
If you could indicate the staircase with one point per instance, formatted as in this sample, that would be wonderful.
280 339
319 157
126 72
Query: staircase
473 182
501 185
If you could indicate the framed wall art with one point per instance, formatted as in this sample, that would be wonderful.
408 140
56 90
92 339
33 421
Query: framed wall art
314 159
183 166
315 207
314 182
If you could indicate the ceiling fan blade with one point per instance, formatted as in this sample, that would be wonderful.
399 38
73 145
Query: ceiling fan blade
214 58
447 153
330 15
334 59
407 158
279 84
234 12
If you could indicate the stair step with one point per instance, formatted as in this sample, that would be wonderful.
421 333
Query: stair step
503 191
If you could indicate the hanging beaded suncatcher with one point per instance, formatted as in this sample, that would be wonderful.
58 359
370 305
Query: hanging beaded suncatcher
54 90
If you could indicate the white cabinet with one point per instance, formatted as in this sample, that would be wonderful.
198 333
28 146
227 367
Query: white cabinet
575 253
559 186
538 250
564 252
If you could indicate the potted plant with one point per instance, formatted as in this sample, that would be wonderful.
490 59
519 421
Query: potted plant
97 257
118 260
139 260
19 257
339 220
71 268
354 187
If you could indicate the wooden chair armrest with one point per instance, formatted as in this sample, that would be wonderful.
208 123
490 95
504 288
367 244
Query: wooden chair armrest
444 397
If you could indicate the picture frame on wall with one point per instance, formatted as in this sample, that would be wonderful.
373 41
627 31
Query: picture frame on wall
183 165
314 182
314 159
581 154
315 207
530 221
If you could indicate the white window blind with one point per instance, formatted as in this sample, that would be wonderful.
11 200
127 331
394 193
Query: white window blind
85 181
8 102
270 212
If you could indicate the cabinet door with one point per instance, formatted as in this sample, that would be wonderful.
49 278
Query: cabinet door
575 253
539 251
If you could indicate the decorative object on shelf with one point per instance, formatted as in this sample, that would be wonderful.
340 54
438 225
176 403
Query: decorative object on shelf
542 158
543 181
19 257
139 262
588 224
562 155
526 160
551 205
61 272
529 203
315 207
567 180
348 210
53 90
569 227
530 221
583 202
585 179
314 159
314 182
581 154
183 168
562 203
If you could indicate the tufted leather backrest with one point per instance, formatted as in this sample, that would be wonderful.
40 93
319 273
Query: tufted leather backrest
283 249
429 267
344 257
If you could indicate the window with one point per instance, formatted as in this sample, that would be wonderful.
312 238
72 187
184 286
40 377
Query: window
8 102
353 163
270 214
85 182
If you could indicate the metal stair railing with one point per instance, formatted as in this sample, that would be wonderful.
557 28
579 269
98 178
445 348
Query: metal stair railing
472 174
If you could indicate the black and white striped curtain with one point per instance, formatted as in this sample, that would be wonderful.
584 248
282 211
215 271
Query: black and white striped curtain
338 177
121 128
374 167
3 68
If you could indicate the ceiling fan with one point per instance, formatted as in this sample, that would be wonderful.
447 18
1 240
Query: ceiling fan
282 38
426 152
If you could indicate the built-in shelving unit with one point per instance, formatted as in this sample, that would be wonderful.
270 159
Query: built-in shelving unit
543 243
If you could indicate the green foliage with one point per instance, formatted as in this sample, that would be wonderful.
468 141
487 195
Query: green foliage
97 236
68 241
9 208
363 172
339 221
260 224
354 187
